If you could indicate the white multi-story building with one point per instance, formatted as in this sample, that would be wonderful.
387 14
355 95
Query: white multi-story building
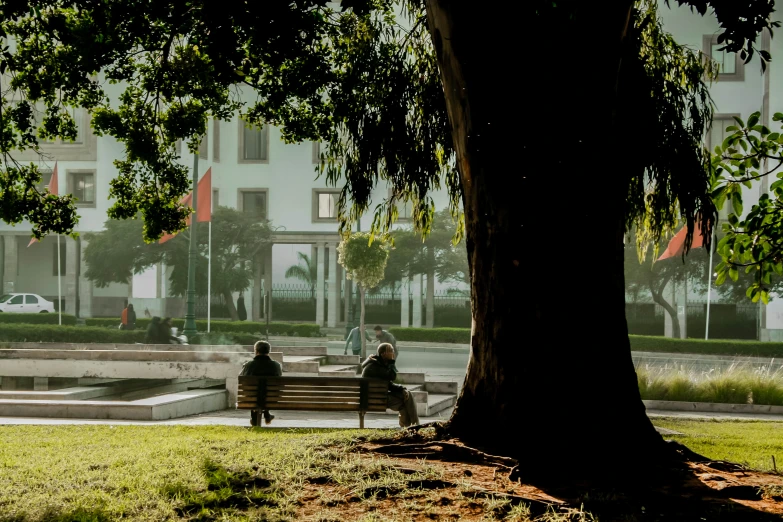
252 170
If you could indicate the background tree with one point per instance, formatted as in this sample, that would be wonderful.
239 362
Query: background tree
406 105
305 271
114 255
364 258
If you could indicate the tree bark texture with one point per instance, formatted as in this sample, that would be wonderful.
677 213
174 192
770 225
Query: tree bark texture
232 309
657 296
531 101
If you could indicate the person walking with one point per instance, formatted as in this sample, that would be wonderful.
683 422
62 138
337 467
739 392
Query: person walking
384 336
128 318
381 366
262 365
354 340
241 310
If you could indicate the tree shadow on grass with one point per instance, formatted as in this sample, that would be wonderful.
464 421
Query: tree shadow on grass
227 493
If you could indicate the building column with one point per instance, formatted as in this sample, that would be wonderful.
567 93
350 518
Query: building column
319 284
70 281
331 320
668 295
416 291
405 303
431 299
257 295
268 288
346 296
85 285
10 263
682 308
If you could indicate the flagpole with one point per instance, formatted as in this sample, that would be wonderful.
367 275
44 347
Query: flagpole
190 316
59 285
209 277
709 288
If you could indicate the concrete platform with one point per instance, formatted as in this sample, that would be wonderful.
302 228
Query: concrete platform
169 406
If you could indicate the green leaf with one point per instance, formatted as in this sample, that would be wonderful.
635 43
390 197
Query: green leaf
736 202
720 279
733 273
753 119
765 297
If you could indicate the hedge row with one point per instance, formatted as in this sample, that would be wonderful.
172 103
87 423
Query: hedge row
10 318
233 327
641 343
17 333
432 335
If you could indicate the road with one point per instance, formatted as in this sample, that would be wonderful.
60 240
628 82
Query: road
437 366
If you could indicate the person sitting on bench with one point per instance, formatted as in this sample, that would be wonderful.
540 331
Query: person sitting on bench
382 366
262 366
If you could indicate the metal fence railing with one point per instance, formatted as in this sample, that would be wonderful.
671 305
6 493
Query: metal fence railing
302 293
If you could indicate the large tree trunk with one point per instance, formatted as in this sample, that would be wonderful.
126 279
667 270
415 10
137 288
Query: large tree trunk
543 194
657 296
361 323
232 310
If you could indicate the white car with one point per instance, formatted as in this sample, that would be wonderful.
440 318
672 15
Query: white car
25 304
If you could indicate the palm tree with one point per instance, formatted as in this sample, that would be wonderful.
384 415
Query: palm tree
305 271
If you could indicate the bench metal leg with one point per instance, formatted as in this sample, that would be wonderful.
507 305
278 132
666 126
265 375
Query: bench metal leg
361 420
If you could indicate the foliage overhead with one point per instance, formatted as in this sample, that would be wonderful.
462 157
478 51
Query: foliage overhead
753 241
364 258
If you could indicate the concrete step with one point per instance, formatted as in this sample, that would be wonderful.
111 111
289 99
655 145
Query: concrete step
442 387
177 386
169 406
437 403
343 359
337 370
302 364
410 378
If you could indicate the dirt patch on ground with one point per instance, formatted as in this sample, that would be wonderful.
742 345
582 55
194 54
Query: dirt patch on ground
448 490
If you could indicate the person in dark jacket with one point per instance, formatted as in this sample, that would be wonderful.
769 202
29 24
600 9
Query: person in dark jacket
399 399
128 318
153 331
384 336
241 310
262 365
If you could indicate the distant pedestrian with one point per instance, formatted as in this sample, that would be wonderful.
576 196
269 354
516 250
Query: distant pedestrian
128 320
262 365
399 399
354 340
385 337
241 310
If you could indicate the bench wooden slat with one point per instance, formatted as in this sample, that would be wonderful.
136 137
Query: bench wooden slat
310 406
313 397
349 394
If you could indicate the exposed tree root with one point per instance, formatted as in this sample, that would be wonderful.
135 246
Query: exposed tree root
448 451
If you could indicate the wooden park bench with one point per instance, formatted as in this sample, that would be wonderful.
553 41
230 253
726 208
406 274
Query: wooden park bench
313 394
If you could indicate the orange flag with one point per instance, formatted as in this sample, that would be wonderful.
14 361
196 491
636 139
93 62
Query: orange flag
677 243
203 203
54 188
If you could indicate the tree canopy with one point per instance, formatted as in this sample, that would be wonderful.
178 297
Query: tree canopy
115 254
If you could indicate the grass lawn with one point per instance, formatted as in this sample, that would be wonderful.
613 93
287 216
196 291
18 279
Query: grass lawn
216 473
752 443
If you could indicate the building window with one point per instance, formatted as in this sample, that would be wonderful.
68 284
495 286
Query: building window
46 178
316 153
203 147
730 66
718 133
215 139
82 186
404 208
215 199
178 147
325 204
62 258
254 201
254 143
